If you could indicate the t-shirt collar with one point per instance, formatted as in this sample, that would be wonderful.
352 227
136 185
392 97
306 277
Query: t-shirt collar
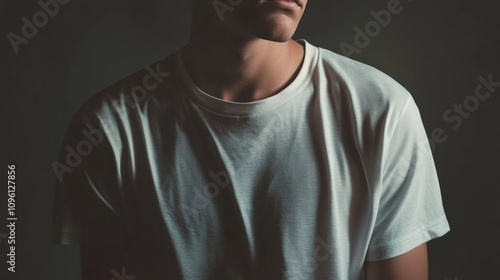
231 108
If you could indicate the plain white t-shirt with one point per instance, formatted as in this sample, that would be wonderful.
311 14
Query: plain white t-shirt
310 183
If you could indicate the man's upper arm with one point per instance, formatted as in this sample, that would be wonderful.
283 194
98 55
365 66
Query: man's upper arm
87 202
412 265
87 210
408 205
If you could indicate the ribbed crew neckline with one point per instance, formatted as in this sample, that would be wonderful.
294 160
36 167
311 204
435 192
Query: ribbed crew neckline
231 108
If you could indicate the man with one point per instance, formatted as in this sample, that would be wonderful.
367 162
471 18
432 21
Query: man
250 155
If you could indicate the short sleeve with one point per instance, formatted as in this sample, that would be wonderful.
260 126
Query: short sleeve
410 211
87 208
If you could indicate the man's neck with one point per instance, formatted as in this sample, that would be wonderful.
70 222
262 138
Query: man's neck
242 70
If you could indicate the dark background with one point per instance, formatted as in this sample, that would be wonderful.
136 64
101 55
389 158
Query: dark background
436 49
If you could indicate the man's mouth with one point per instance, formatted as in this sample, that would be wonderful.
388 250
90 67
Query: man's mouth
286 4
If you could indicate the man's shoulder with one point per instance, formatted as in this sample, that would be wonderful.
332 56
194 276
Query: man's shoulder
364 83
132 91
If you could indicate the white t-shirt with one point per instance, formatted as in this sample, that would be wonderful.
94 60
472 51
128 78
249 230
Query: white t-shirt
334 170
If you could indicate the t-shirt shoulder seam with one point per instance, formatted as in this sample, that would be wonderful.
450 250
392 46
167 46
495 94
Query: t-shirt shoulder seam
400 114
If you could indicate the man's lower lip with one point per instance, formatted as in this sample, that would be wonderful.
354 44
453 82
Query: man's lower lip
288 5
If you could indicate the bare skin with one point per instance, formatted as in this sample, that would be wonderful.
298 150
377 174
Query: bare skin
412 265
244 60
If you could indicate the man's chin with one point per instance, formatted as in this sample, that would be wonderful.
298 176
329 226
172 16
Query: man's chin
272 27
277 39
276 33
